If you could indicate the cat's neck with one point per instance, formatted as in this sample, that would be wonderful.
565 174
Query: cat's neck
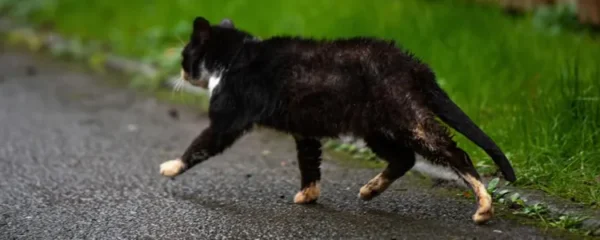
223 57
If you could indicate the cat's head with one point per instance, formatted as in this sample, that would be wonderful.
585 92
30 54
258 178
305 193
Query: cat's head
207 49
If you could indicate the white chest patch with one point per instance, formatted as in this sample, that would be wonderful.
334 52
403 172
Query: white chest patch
213 82
425 166
214 77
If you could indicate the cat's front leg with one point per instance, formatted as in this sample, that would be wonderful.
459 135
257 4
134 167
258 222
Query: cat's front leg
208 144
309 161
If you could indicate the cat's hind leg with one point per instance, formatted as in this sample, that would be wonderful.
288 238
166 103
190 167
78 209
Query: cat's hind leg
439 155
469 175
400 159
309 162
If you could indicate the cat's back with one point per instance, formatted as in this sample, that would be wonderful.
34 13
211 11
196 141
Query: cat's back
359 66
355 48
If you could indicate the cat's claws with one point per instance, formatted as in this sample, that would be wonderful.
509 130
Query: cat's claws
172 168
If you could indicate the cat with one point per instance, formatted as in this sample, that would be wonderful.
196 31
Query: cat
317 89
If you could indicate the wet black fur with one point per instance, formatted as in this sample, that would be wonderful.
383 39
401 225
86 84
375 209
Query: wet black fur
317 89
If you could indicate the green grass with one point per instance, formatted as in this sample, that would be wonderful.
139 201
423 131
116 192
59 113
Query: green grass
537 94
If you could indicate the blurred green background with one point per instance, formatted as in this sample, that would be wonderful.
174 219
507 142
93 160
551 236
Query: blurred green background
531 82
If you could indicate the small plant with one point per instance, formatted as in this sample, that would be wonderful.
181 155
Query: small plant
538 211
491 188
567 222
515 201
534 210
499 196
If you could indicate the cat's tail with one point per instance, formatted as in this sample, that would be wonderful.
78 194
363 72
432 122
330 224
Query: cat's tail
441 104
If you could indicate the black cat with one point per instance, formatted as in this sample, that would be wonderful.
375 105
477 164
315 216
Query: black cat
314 89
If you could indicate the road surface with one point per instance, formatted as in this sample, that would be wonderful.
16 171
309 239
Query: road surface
79 160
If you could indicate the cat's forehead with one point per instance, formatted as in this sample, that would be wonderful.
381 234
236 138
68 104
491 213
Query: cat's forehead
192 46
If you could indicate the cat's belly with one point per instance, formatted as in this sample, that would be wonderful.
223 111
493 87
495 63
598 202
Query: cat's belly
315 124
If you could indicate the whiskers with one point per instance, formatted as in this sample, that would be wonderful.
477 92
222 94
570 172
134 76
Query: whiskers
177 91
177 86
179 83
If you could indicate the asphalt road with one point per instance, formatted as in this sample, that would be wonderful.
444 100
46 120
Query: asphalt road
79 160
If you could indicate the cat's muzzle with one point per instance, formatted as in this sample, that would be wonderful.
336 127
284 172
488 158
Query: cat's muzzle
196 82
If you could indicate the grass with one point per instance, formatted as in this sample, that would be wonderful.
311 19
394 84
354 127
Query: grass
537 94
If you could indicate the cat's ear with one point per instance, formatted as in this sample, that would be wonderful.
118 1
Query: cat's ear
201 30
226 23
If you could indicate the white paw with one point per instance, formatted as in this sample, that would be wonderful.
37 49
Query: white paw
308 195
483 216
171 168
